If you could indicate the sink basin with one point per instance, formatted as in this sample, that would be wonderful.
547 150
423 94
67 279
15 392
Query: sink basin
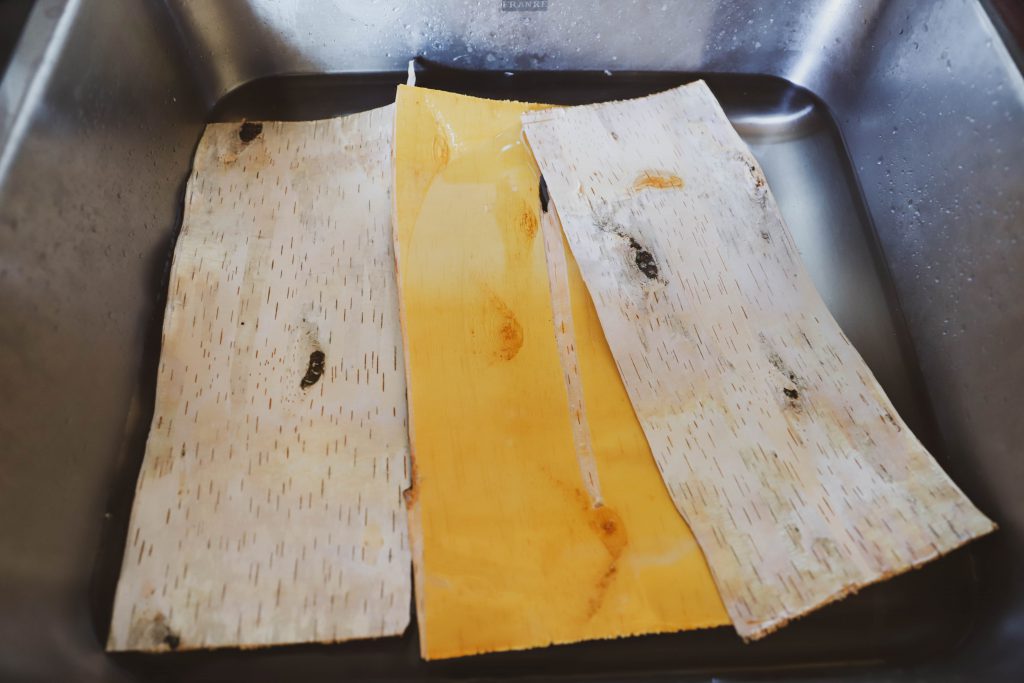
13 15
892 134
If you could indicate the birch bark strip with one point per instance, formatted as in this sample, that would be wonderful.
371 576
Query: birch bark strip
565 338
510 551
778 446
268 509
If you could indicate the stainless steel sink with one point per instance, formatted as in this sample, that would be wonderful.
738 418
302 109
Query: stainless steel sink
891 132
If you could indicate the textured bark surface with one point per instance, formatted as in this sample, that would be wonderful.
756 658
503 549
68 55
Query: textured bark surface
510 549
777 444
269 509
565 337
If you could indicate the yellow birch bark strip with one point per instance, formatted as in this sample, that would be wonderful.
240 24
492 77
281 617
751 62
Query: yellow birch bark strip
268 509
777 444
510 551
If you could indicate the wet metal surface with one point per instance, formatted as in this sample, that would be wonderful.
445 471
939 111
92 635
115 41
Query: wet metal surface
898 163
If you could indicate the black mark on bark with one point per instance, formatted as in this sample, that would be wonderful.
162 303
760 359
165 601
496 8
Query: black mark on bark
315 370
249 131
644 260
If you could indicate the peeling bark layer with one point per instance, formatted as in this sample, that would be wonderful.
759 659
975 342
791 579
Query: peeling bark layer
777 444
511 547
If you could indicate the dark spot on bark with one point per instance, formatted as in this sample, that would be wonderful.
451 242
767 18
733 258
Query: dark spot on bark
776 360
249 131
152 632
645 262
315 370
644 259
544 197
791 393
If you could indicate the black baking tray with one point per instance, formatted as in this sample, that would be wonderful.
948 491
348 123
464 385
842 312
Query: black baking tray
909 619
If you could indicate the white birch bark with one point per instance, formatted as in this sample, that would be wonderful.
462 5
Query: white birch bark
778 446
565 337
268 509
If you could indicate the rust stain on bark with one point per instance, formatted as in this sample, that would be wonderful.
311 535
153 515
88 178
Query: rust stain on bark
528 222
509 330
608 527
441 150
657 180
